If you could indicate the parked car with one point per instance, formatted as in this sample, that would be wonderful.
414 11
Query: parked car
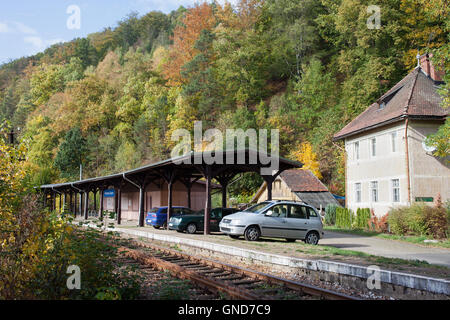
275 219
157 217
192 223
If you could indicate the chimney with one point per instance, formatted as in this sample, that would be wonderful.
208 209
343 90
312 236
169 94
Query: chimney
428 68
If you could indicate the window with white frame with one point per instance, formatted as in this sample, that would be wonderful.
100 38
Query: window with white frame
374 191
358 192
373 147
356 155
394 141
395 190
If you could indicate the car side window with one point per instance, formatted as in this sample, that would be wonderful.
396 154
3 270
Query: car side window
278 211
214 214
163 211
177 211
312 213
298 212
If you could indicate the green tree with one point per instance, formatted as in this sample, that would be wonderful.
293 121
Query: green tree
71 154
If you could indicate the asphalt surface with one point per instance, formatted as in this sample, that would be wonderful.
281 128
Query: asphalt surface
387 248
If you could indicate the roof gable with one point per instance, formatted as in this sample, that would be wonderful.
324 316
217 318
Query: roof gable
414 96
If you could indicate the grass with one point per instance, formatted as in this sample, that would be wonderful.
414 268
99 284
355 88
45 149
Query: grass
411 239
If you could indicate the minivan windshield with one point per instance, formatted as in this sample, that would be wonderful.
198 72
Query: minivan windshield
257 208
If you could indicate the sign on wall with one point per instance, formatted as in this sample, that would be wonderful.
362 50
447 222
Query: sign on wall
110 193
424 199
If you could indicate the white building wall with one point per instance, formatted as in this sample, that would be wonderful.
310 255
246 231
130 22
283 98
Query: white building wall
429 176
386 165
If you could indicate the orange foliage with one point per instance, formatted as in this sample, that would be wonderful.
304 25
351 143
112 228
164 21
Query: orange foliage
182 51
379 224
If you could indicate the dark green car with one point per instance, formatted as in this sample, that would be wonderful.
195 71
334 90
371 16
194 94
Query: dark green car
191 223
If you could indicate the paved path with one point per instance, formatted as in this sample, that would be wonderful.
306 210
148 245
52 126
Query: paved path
387 248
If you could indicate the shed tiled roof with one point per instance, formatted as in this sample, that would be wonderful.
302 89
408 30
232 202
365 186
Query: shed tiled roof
317 199
299 180
415 96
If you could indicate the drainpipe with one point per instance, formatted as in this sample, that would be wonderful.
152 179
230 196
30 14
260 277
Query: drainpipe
408 177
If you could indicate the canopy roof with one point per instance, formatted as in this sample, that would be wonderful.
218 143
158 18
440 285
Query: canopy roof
190 166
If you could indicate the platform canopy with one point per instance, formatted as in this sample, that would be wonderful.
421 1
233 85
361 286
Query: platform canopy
220 165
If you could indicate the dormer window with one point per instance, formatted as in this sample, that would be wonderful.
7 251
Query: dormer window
382 105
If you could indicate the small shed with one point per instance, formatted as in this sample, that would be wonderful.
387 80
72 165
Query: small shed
298 185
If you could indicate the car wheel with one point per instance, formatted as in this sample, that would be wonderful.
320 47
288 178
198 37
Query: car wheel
312 238
191 228
252 233
156 227
233 236
290 240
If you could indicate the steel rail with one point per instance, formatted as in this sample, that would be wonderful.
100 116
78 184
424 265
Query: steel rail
183 273
220 286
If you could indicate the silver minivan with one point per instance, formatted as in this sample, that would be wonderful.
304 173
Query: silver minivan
275 219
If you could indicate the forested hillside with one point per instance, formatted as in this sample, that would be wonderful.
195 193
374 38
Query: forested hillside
306 67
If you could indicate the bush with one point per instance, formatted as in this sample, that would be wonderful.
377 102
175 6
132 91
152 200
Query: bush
362 218
344 218
330 214
436 220
379 224
420 220
398 221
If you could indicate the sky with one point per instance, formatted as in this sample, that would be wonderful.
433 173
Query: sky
29 26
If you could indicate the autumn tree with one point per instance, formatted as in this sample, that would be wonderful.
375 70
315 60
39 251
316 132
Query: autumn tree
305 155
196 19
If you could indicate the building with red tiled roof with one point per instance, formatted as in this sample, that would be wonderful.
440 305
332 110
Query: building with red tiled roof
298 185
388 163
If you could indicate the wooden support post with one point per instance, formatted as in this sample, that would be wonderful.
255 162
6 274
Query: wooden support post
75 203
224 194
269 189
189 199
81 204
60 203
141 206
64 201
71 202
119 206
116 201
95 199
54 201
208 200
169 201
102 198
86 205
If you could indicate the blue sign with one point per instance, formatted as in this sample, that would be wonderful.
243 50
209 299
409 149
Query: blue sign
110 193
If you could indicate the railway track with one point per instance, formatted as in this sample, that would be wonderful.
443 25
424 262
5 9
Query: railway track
224 279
